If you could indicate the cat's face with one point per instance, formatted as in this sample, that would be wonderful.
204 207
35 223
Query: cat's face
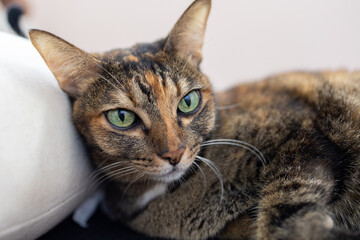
143 110
150 111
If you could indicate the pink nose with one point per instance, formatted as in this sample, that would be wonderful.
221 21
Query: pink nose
173 156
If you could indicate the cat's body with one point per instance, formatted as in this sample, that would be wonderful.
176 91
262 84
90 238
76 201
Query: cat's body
152 126
307 127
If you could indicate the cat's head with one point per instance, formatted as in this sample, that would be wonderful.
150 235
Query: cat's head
143 110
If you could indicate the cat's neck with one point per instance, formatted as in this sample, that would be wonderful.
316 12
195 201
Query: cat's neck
127 201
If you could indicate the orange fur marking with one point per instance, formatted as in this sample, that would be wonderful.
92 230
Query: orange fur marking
155 84
173 133
132 58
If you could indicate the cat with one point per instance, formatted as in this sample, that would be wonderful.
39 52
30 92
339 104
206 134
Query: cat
275 159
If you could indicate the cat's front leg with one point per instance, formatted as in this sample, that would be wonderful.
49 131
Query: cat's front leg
294 206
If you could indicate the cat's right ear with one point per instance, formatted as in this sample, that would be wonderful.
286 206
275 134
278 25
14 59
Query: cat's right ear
72 67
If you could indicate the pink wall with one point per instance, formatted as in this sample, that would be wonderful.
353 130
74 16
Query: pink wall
246 39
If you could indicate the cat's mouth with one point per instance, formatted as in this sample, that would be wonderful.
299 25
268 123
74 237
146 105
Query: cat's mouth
166 172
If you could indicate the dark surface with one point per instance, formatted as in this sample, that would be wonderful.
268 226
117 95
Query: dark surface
14 13
99 227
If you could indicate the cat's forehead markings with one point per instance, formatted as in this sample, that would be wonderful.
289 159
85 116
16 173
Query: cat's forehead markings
186 85
155 82
122 100
164 105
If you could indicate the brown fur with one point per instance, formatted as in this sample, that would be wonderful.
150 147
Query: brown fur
306 125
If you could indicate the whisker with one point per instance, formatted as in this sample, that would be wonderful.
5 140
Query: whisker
109 166
114 173
214 168
115 177
108 73
204 177
207 41
239 143
236 141
101 170
234 144
134 180
108 81
187 61
110 175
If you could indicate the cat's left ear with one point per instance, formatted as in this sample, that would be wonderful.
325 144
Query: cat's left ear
73 68
187 37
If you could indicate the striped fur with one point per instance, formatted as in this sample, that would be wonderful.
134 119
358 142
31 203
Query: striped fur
300 182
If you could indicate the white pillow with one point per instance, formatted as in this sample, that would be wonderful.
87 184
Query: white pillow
43 166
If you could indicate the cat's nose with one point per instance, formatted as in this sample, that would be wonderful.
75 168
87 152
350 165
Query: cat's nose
174 156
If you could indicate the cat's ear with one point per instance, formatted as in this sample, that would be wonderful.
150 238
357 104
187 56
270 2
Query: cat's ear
187 37
71 66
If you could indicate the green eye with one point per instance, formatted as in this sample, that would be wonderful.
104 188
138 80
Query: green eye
190 102
121 118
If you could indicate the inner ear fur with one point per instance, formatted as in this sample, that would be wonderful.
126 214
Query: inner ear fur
187 37
73 68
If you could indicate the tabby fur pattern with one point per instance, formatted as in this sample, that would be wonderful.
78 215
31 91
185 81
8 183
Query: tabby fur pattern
274 159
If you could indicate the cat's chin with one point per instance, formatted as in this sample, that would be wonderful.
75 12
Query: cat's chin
172 175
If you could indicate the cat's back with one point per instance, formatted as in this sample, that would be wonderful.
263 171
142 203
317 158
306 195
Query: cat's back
306 86
270 112
289 100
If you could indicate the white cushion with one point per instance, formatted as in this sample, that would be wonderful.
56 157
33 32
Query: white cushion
43 166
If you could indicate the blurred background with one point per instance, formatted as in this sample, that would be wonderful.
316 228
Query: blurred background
245 40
